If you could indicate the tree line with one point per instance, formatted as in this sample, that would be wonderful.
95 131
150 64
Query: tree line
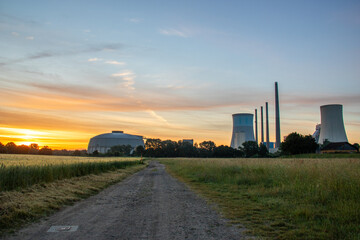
12 148
206 149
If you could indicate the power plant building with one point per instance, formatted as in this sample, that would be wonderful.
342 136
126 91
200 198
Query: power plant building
243 129
332 124
103 142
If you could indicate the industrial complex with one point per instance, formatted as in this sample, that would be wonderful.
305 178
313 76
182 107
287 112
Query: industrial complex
331 129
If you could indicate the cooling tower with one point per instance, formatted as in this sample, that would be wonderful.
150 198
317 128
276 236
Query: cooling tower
243 129
332 124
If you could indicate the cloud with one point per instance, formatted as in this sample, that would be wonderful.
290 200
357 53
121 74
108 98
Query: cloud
86 31
94 59
30 38
15 34
115 63
158 117
174 32
49 54
127 77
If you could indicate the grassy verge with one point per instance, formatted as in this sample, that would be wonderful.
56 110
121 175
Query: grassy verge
17 177
280 198
325 155
18 208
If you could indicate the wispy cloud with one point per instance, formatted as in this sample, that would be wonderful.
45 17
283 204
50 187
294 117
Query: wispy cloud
30 38
48 54
127 78
158 117
15 34
174 32
94 59
115 63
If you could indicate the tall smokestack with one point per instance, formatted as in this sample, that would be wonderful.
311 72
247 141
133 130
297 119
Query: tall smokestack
262 125
256 129
277 117
267 125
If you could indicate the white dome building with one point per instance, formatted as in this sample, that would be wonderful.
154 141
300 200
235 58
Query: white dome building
103 142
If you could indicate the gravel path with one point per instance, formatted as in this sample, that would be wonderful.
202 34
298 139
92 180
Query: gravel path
148 205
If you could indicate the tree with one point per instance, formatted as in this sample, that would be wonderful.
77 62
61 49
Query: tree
263 151
11 147
153 143
2 148
139 151
186 149
76 153
45 150
120 150
226 151
357 146
23 149
296 143
206 149
34 148
250 148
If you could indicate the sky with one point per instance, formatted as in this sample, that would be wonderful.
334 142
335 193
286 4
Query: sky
175 70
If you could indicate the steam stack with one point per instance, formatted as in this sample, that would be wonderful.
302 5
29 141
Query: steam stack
332 124
243 129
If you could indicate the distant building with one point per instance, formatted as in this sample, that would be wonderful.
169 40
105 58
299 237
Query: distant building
316 134
191 141
103 142
339 147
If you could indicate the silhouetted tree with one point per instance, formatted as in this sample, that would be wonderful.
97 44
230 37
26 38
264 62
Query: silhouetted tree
296 143
357 146
250 148
206 149
263 151
34 148
45 151
23 149
139 151
186 149
76 153
120 150
226 151
2 148
11 148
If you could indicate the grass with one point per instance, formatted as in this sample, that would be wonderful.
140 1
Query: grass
41 160
325 155
18 208
280 198
21 171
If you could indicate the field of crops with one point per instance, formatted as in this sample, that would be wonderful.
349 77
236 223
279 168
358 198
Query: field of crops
20 171
280 198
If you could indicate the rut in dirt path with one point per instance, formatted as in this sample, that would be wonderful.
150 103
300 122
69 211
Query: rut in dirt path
148 205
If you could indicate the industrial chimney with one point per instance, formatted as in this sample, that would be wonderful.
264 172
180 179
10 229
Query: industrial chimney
332 124
262 126
256 128
267 125
277 117
243 129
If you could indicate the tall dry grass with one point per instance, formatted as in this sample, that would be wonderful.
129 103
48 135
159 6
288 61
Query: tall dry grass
281 198
21 171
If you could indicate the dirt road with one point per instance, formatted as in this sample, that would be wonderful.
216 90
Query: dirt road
149 205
